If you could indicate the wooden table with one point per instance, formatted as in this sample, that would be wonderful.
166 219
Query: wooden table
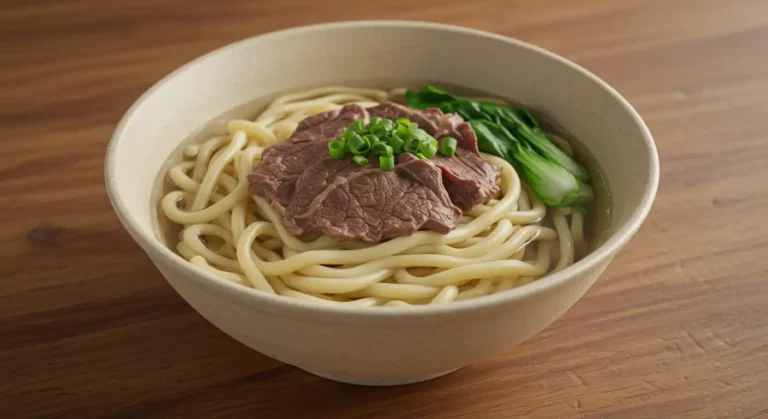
676 328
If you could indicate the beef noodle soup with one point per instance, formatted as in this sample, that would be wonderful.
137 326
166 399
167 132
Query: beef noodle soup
370 197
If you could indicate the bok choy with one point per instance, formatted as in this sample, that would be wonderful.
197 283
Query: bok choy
514 135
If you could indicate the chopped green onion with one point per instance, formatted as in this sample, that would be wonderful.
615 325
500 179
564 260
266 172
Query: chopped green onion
422 135
360 160
385 139
387 162
412 145
358 145
372 139
346 135
403 131
448 146
431 141
428 148
388 124
356 126
381 149
396 143
336 149
408 136
380 131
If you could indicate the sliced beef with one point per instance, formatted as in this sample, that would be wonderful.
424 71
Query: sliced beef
342 200
468 178
316 194
275 178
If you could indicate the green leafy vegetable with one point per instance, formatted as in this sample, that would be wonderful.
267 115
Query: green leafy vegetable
519 123
514 135
550 180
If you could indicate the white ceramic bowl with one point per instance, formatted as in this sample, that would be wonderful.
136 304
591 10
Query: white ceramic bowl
381 346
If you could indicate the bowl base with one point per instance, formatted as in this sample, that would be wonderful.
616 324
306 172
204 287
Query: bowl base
377 382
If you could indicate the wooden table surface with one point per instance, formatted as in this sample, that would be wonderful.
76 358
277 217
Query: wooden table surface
676 328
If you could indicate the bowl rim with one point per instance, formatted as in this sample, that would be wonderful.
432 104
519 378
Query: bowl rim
260 300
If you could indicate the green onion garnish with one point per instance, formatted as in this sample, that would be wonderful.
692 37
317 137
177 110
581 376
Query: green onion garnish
372 139
396 143
428 148
379 131
412 145
381 149
346 135
403 131
421 135
386 139
356 126
448 146
360 160
387 162
358 145
336 149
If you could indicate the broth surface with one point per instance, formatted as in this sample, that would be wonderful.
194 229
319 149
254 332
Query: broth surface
597 222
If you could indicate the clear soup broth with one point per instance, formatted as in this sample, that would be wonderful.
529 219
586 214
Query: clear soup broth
596 222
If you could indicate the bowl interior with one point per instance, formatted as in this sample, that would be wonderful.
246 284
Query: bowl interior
327 54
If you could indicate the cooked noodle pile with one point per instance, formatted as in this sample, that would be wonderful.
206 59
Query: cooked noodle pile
513 240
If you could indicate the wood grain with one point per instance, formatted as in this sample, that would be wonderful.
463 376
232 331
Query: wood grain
676 328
